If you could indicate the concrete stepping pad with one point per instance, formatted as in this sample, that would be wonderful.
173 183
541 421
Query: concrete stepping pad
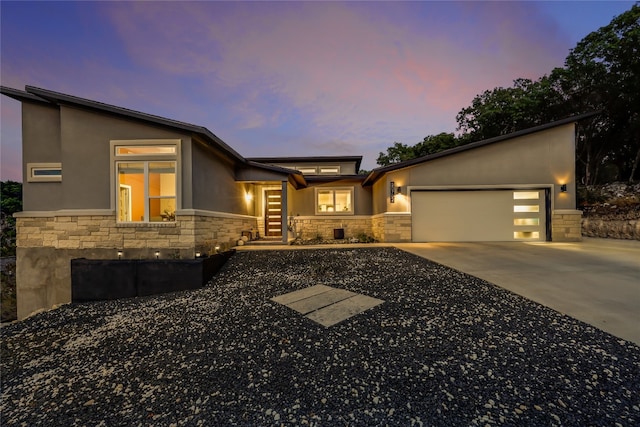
326 305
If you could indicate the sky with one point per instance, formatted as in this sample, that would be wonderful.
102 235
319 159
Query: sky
286 78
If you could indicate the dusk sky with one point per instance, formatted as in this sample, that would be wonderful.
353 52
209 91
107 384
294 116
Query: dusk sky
286 78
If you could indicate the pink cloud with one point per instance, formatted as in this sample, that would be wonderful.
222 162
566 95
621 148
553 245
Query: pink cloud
343 67
352 76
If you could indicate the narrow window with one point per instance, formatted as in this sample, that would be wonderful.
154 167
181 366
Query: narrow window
137 150
526 221
44 172
307 170
526 195
526 235
330 170
526 208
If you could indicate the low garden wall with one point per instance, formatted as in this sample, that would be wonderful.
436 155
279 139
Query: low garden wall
100 279
611 211
620 229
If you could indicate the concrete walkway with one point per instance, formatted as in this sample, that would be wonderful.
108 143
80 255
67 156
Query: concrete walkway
596 280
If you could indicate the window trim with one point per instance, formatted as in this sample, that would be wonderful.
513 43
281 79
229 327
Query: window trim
33 167
150 157
334 189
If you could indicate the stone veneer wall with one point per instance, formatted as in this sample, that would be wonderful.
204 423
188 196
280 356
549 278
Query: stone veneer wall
392 227
612 229
46 245
310 227
566 226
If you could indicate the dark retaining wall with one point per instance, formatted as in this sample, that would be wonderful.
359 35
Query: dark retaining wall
96 279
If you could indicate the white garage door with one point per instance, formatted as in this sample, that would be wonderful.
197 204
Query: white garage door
478 216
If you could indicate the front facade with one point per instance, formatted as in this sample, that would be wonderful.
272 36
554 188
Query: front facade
101 181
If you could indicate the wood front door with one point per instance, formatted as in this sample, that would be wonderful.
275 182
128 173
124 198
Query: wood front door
273 213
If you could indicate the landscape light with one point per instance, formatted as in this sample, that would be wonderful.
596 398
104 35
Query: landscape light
198 254
119 254
157 254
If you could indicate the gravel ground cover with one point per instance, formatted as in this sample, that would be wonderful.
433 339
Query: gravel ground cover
444 348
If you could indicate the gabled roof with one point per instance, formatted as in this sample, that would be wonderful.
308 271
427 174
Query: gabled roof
376 174
314 159
39 95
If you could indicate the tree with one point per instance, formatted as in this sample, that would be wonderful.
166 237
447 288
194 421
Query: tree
400 152
435 143
10 203
505 110
603 73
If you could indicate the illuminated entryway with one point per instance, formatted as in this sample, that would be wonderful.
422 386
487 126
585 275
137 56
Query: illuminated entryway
273 213
479 215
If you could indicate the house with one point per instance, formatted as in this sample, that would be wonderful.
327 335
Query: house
100 179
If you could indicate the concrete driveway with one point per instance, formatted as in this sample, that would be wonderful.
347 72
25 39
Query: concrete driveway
596 280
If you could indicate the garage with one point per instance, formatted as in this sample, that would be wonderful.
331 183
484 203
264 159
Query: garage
479 215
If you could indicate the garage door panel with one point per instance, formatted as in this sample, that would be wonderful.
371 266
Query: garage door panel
467 216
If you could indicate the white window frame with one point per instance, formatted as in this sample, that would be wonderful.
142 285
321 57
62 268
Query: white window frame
33 168
334 189
146 159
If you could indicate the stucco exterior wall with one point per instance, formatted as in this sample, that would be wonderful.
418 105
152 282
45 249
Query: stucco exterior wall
80 140
41 144
86 157
303 202
545 157
213 183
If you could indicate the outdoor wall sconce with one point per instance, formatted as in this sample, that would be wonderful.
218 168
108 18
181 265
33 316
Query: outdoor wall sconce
198 254
563 188
119 254
157 254
392 192
399 190
248 197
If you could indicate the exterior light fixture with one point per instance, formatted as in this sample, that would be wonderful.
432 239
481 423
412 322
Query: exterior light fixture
198 254
119 254
157 254
563 188
217 249
392 192
399 190
248 197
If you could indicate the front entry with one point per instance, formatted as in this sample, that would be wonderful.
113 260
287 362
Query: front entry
273 213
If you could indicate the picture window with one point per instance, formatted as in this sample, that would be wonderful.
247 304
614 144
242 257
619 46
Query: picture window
334 201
